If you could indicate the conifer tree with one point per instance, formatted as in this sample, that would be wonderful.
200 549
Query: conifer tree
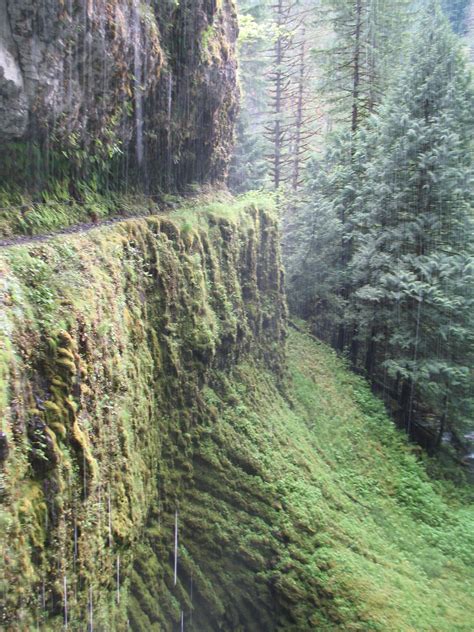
278 120
457 10
413 263
278 127
366 34
249 166
305 118
399 191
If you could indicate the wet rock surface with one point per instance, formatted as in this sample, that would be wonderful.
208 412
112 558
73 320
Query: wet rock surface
150 81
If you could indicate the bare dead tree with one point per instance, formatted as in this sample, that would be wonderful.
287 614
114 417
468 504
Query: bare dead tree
292 125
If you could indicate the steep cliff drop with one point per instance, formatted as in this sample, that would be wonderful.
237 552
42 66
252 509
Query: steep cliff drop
117 346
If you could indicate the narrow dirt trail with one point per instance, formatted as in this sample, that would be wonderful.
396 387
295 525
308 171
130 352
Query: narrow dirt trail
83 227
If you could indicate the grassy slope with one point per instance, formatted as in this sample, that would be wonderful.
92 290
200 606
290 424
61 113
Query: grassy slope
362 539
401 548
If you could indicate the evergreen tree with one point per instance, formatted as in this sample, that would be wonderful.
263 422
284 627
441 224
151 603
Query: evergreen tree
278 120
413 263
278 127
366 33
313 248
387 257
367 38
305 117
290 126
249 166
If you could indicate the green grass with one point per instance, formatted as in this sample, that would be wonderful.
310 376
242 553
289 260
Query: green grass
394 542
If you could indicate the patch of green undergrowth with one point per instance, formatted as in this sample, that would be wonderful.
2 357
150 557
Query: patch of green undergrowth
315 513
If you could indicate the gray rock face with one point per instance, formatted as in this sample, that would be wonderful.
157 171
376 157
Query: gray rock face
71 62
102 77
13 101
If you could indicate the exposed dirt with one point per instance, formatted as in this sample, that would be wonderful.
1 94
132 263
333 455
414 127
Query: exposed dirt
83 227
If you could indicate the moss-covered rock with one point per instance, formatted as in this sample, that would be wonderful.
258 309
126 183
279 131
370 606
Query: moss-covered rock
145 388
113 337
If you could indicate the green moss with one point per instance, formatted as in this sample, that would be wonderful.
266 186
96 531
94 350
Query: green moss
59 429
66 354
68 365
117 331
153 381
90 469
33 515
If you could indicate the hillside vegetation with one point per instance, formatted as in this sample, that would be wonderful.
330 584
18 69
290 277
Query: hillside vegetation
147 395
313 513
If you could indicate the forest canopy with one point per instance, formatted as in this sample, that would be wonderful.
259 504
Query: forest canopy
361 117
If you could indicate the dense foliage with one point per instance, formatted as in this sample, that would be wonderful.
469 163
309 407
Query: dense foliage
386 269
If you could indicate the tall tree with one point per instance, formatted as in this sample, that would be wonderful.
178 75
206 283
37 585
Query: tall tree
278 129
387 248
366 37
304 97
413 263
364 32
278 118
249 166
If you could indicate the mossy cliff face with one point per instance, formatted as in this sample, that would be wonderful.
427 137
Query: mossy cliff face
143 388
94 86
111 342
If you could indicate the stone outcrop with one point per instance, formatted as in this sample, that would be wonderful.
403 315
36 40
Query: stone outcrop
124 82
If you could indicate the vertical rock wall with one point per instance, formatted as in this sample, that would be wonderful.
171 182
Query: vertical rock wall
110 343
143 90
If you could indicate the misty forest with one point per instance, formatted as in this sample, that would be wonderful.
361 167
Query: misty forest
237 315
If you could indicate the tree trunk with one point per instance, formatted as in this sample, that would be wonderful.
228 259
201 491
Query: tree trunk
442 423
370 354
405 405
356 74
299 114
354 346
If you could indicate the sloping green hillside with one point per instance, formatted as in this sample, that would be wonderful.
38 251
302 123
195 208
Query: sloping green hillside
315 514
146 386
389 548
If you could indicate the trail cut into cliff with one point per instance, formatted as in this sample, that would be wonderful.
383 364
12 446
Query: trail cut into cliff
167 461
